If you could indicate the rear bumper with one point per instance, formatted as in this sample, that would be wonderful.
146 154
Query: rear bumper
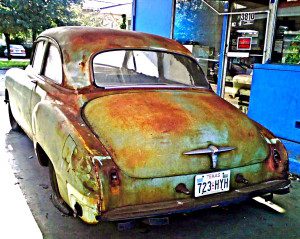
192 204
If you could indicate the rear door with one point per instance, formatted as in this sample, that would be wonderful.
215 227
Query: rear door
50 74
33 72
20 89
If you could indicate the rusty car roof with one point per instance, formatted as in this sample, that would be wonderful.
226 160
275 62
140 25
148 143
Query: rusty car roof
78 44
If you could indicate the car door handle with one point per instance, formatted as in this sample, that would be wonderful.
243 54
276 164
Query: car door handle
297 124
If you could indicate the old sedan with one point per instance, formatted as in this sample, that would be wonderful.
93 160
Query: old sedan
130 128
16 50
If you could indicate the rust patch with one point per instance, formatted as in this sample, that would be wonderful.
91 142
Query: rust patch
135 158
66 56
93 39
85 184
83 64
148 112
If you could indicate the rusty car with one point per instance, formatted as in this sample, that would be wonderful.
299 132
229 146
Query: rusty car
130 128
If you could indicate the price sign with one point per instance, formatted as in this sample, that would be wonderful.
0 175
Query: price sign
247 16
244 43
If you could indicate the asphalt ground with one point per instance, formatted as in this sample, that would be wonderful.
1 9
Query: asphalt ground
245 220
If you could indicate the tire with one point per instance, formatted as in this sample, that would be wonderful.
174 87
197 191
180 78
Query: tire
56 198
13 123
53 180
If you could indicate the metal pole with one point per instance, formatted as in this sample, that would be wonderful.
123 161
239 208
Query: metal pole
223 80
266 36
222 52
133 18
173 18
270 30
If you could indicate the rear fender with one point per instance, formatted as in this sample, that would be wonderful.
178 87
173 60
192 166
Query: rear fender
59 133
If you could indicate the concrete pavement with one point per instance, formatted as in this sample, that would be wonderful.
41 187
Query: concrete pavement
17 220
2 85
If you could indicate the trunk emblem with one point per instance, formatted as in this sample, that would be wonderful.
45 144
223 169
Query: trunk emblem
213 151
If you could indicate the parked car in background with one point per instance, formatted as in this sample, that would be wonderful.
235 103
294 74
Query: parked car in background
28 48
129 127
16 51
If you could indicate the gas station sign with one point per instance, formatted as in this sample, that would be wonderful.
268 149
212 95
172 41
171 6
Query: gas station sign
244 43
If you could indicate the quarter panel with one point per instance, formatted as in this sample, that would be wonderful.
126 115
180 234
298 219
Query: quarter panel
19 88
68 151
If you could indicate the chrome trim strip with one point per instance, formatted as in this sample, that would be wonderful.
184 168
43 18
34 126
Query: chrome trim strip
152 87
210 150
213 151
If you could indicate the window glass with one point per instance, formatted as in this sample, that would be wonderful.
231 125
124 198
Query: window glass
110 58
286 48
137 67
146 63
53 69
38 57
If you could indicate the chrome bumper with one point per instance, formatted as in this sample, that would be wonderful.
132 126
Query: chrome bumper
192 204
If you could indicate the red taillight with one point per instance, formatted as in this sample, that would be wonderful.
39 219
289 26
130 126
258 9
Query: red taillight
23 51
114 178
114 182
11 50
278 159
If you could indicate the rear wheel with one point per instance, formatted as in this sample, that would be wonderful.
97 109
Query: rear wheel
56 198
13 123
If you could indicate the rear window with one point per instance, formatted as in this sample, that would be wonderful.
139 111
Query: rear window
137 67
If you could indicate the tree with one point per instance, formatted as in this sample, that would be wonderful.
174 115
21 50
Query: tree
123 24
34 15
10 21
87 18
39 15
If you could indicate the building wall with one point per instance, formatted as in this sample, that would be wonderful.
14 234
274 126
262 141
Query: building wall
153 16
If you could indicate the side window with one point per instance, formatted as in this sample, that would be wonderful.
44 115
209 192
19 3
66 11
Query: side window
38 57
53 68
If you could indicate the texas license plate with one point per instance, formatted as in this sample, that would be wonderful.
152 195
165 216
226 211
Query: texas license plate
211 183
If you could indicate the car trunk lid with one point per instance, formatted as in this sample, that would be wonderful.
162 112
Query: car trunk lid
148 133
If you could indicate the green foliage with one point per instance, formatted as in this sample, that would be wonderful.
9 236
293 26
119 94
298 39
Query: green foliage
123 24
10 64
36 15
293 52
10 17
86 18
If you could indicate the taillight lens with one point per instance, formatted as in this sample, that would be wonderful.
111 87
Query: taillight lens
114 178
278 159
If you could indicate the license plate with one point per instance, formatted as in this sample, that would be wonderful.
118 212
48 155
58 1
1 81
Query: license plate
211 183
